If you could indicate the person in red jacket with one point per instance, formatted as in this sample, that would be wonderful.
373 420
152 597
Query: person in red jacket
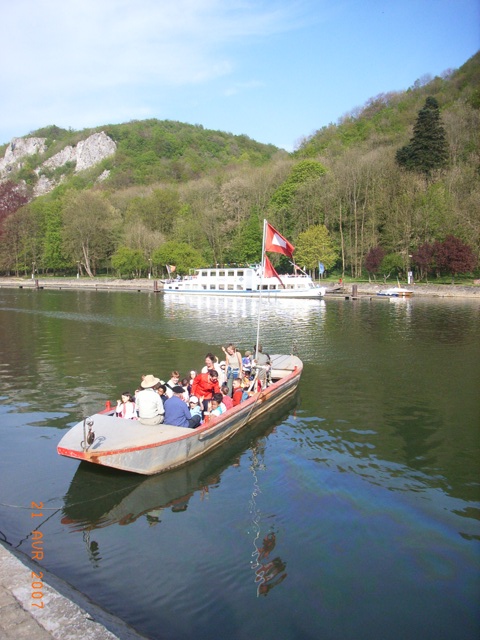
205 385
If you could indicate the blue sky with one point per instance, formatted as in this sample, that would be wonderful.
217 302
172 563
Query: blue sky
275 70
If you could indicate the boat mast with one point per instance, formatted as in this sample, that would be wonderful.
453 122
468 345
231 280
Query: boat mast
261 288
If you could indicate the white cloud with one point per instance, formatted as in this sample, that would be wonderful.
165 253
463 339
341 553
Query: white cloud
71 58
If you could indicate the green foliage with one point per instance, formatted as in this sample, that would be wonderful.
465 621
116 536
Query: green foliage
247 245
428 149
90 225
154 150
314 246
181 255
157 211
282 200
392 263
129 262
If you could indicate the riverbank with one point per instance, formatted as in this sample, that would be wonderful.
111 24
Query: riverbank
154 285
61 613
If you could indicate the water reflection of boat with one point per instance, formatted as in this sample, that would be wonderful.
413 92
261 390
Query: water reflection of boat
130 446
99 497
241 307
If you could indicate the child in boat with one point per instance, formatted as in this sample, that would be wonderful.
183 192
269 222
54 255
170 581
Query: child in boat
126 407
239 392
216 406
227 399
194 405
247 364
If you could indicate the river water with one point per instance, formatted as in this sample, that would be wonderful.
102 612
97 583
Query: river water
351 513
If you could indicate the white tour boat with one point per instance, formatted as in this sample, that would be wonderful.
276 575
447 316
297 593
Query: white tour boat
244 281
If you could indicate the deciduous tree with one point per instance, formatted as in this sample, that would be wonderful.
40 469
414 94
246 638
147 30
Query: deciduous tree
315 245
454 256
373 260
90 225
182 255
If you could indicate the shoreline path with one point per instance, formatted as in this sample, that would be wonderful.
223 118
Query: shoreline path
154 285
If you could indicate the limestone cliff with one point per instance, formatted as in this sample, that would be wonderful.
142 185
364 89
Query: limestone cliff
87 153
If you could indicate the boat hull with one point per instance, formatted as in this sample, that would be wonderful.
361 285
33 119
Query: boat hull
395 292
311 294
130 446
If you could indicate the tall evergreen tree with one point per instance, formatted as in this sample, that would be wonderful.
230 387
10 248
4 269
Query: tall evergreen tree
428 149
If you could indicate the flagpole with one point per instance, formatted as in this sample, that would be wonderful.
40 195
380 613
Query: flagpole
261 288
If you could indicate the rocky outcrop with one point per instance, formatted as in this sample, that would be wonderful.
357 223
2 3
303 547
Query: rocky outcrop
17 149
87 153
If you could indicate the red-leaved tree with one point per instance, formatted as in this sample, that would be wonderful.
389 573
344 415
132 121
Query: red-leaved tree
454 256
424 259
373 260
12 197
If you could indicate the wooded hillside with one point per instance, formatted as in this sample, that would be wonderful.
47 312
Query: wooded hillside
390 178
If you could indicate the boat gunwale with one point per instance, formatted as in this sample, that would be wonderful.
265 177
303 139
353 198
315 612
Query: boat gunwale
210 427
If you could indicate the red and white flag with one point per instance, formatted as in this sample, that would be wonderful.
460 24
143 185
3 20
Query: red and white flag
270 272
275 242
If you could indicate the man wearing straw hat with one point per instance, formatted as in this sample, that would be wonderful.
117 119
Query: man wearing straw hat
149 403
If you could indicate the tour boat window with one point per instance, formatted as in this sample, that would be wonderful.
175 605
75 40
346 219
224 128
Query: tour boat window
231 287
231 274
272 286
240 288
239 273
222 273
212 286
204 274
221 287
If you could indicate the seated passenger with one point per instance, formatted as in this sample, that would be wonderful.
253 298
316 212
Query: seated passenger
195 410
177 412
161 389
149 404
237 392
126 407
227 400
216 406
174 380
193 375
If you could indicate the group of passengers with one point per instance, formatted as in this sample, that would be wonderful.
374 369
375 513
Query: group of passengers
192 400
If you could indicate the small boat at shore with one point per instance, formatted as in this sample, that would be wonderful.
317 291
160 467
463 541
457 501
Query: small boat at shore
107 440
396 292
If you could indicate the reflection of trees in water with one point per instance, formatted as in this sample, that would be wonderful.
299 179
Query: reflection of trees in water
415 426
268 573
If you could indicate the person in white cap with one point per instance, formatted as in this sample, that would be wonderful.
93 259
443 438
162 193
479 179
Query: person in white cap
148 403
195 409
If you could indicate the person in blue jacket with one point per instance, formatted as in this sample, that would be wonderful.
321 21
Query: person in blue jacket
177 412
